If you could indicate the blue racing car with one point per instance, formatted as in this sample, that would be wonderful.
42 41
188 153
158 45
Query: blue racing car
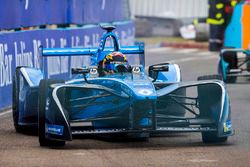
111 96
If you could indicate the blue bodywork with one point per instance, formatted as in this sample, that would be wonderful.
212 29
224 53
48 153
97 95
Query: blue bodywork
129 103
233 32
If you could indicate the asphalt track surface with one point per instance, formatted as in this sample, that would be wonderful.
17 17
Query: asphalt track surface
171 150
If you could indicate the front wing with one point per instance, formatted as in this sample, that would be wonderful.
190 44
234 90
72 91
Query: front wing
201 106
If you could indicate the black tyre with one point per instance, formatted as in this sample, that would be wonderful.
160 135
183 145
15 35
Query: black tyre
248 66
231 58
211 137
15 101
43 92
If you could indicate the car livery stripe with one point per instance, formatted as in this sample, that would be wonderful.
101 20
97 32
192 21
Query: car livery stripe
26 76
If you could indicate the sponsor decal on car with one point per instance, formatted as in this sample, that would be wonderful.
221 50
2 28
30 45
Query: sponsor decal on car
227 126
145 92
54 129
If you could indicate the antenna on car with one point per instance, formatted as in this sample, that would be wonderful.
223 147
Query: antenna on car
108 27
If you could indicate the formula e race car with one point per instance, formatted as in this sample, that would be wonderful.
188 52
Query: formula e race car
234 63
111 96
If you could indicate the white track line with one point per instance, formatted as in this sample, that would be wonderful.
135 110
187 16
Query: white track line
186 51
159 50
192 59
206 53
5 113
187 59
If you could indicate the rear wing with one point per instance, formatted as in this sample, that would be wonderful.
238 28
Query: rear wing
96 54
50 52
100 52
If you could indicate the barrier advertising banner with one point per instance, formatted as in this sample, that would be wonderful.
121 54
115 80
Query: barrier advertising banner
21 49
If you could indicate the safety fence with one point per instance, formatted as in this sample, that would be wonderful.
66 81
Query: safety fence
22 49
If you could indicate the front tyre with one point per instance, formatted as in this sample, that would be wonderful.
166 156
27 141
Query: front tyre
231 58
211 137
43 94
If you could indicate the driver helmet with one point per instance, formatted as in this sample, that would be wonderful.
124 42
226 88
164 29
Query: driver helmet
115 62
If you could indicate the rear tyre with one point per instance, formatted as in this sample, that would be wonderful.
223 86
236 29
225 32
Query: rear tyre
15 101
43 93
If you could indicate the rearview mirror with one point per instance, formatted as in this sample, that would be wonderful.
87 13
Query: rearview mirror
155 69
79 70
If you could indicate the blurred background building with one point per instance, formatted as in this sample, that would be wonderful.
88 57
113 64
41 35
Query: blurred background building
180 9
165 17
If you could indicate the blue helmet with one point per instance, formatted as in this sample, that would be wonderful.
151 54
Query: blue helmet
115 62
